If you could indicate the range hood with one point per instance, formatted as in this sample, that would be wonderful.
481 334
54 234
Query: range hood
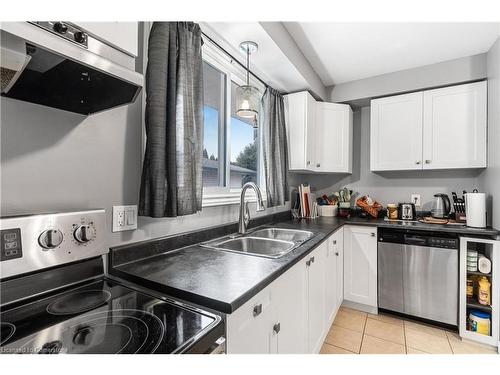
59 65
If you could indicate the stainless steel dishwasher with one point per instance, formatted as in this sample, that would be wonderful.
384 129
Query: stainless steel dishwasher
418 274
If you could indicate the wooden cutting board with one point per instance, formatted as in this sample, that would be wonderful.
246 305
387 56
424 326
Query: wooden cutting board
433 220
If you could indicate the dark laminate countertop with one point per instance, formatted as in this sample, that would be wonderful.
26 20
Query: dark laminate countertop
224 281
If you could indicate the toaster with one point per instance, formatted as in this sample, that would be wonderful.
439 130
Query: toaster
407 211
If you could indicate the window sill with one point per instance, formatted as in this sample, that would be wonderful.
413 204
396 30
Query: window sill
230 198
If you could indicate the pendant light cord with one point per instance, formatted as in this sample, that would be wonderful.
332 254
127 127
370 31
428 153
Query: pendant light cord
248 65
235 59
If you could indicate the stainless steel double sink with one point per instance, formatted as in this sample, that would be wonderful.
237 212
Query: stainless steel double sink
262 242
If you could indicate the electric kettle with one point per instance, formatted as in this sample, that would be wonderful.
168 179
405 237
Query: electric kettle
441 207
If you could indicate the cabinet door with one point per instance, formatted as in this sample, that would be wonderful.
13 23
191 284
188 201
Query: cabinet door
249 328
339 274
360 265
316 298
310 132
455 127
396 133
289 299
333 134
123 35
330 279
300 114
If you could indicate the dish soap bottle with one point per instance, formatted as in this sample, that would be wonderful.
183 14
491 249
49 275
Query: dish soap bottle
484 295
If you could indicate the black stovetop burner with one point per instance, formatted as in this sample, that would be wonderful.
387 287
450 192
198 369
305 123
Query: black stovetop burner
100 317
78 302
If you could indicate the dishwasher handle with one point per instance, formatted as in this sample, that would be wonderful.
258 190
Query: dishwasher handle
415 240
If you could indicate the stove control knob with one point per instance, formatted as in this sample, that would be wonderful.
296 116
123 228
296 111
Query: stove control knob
50 239
84 233
79 37
60 27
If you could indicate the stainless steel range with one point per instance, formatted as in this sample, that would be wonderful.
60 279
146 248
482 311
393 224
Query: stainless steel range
55 297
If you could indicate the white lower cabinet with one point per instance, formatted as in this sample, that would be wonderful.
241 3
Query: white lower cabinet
360 265
293 313
334 275
316 287
249 327
468 305
289 298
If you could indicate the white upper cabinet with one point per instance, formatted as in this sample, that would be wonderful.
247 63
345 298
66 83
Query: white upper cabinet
319 135
333 138
299 120
123 35
435 129
396 133
455 121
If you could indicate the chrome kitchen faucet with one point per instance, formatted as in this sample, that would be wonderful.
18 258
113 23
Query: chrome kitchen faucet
244 211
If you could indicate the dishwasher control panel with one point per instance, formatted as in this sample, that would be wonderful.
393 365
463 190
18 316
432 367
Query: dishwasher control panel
419 238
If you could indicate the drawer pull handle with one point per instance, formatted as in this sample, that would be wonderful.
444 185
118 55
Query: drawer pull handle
428 161
373 234
337 253
312 259
257 309
334 242
308 262
277 328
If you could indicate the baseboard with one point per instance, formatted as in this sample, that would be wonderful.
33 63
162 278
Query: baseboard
360 307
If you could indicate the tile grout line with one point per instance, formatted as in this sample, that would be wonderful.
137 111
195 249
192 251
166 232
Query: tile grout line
363 334
449 343
338 347
404 334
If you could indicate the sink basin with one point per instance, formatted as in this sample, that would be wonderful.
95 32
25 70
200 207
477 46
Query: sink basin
283 234
264 242
264 247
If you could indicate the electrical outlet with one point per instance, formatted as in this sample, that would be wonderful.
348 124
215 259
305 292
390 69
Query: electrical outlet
124 218
415 199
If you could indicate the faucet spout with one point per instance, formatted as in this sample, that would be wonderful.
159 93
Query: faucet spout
244 218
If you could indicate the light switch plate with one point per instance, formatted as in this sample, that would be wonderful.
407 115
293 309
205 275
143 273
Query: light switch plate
415 199
124 218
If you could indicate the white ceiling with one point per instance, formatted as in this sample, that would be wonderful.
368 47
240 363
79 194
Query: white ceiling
269 62
341 52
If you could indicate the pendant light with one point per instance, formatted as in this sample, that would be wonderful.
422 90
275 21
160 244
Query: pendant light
247 96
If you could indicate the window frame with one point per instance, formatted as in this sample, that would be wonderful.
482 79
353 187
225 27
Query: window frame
225 195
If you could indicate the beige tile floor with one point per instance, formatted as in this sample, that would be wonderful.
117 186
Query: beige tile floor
356 332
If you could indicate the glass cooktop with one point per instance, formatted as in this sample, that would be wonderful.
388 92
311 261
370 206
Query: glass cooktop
100 317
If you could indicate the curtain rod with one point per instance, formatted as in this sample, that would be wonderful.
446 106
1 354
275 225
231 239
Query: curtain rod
233 58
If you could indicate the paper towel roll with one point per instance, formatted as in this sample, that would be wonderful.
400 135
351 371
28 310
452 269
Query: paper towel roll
475 209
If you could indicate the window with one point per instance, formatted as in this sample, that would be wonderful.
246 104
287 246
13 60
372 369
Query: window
231 152
214 121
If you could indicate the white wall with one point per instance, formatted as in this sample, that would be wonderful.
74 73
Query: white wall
387 187
490 178
53 160
450 72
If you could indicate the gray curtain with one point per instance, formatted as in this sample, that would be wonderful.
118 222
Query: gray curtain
171 182
274 143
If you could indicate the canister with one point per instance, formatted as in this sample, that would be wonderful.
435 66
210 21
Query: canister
480 322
